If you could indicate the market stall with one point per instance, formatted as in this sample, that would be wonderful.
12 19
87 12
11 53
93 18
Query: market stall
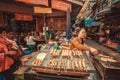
60 64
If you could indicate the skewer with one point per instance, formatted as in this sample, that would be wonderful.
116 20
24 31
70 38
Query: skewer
72 65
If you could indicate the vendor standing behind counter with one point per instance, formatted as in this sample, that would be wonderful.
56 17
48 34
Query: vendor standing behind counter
78 42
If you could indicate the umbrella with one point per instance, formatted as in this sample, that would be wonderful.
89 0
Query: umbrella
116 4
68 36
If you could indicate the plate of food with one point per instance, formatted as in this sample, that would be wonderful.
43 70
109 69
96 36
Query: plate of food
38 60
41 56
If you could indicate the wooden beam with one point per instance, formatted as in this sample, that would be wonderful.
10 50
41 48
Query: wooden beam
15 8
27 10
76 2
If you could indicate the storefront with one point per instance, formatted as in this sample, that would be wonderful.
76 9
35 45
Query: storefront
57 17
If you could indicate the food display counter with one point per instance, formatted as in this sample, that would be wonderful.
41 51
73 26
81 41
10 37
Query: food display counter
108 66
61 63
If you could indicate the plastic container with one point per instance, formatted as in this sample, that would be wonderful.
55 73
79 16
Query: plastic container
27 52
118 48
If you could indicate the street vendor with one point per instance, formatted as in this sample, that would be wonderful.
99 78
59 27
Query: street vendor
9 57
78 42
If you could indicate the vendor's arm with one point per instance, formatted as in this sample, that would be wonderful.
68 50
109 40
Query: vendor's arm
80 46
94 51
5 62
84 47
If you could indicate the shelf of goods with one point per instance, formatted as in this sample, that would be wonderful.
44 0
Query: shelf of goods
107 66
62 63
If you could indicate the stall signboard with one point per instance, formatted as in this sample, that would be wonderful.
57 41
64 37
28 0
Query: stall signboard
61 5
42 10
37 2
24 17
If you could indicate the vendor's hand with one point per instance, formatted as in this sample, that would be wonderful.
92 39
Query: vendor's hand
14 47
75 49
94 51
11 53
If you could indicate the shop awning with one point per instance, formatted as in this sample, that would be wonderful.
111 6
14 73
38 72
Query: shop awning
95 23
86 14
116 4
89 21
107 10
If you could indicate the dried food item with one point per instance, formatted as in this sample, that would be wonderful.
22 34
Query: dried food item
51 51
66 53
55 53
78 64
63 64
53 63
77 53
107 58
74 64
83 64
37 62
